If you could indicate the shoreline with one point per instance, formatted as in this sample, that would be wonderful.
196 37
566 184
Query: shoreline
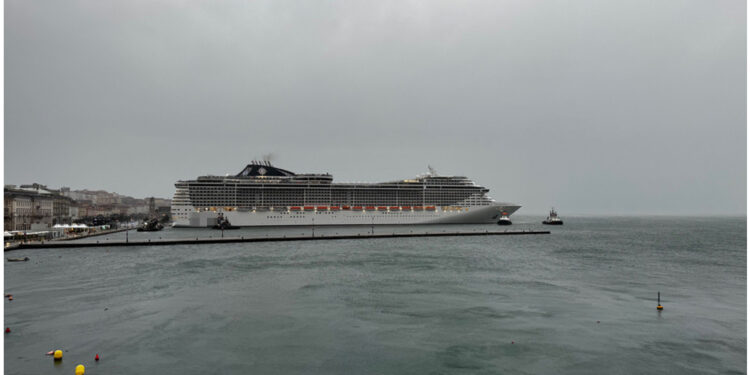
17 245
109 231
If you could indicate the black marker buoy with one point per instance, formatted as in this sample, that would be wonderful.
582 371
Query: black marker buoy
658 301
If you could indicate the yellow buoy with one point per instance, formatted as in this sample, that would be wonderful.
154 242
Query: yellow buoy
80 370
58 355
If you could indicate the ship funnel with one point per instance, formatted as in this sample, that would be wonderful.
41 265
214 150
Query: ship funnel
267 158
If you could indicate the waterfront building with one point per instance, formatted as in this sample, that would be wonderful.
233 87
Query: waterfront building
91 203
34 207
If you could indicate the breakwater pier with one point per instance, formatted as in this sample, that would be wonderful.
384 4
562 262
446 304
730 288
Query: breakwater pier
320 237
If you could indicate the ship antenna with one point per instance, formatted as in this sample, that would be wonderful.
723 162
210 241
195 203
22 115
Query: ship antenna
432 170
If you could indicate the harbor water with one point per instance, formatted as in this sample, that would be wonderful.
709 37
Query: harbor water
581 300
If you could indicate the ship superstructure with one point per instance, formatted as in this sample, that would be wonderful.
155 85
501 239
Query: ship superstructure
553 219
262 194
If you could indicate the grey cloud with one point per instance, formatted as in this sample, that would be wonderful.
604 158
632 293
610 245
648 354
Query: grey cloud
594 107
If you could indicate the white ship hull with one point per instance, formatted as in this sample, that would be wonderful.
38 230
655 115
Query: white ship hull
253 218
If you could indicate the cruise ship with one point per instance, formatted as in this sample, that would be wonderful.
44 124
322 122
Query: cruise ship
264 195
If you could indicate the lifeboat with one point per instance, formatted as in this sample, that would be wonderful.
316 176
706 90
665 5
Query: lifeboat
357 207
346 208
294 208
406 207
382 208
418 208
430 208
322 208
370 208
334 208
394 208
309 208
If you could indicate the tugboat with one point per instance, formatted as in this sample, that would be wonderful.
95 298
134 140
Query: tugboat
504 219
223 224
553 219
152 225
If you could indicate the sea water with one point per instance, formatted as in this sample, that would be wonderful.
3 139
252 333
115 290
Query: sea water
581 300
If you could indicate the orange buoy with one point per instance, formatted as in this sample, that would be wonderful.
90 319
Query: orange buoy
658 301
97 357
7 329
10 298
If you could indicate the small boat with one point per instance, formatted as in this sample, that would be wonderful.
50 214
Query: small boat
152 225
24 259
553 219
504 219
223 224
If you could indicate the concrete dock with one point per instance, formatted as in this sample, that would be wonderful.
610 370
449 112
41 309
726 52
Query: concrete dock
199 241
95 234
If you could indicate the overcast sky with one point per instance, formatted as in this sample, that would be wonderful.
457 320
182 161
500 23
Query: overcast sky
594 107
